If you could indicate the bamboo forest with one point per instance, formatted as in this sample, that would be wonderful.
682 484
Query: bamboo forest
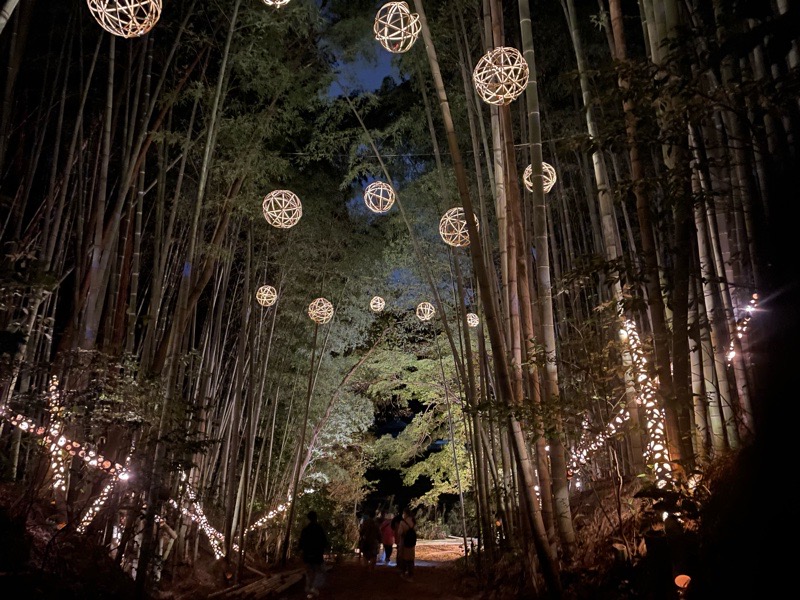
434 299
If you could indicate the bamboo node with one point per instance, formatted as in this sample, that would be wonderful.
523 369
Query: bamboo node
453 227
377 304
266 295
501 75
379 196
548 177
282 209
396 27
320 311
126 18
425 311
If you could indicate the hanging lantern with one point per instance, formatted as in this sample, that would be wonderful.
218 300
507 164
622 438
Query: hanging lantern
379 196
453 227
266 295
548 177
320 311
276 3
425 311
500 76
126 18
396 27
282 209
377 304
473 320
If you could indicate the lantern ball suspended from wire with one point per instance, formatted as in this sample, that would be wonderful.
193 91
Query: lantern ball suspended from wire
473 320
501 75
320 311
377 304
548 177
379 196
266 295
276 3
453 227
282 209
126 18
396 27
425 311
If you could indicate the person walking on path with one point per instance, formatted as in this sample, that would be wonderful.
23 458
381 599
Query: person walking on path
387 537
406 537
369 541
313 544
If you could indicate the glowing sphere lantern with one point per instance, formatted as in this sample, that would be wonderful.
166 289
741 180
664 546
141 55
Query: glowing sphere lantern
473 320
396 27
377 304
379 196
126 18
501 75
266 295
548 177
282 209
276 3
320 311
425 311
453 228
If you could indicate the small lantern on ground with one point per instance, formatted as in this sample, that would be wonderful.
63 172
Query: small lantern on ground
377 304
548 177
379 196
126 18
473 320
282 209
266 295
453 227
320 311
501 75
425 311
396 27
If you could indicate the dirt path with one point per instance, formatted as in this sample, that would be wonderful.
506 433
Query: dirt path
436 577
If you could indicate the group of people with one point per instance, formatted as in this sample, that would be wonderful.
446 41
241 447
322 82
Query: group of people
380 534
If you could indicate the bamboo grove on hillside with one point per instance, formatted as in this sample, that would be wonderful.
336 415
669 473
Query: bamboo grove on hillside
587 321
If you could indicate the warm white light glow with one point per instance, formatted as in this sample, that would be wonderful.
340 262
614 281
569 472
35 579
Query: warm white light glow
396 27
379 197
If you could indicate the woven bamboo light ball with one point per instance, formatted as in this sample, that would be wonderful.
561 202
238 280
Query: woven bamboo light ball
425 311
320 311
473 320
453 227
548 177
377 304
276 3
501 75
282 209
379 196
126 18
396 27
266 295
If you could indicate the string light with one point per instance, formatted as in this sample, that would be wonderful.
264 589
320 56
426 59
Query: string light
741 327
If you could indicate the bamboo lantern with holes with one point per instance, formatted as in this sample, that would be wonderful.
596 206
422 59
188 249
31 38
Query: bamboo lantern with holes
453 228
473 320
276 3
320 311
425 311
266 295
126 18
501 75
377 304
548 177
396 27
379 196
282 209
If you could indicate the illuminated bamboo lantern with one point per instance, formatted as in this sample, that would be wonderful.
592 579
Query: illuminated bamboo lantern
501 75
396 27
126 18
276 3
266 295
282 209
320 311
377 304
425 311
453 227
548 177
473 320
379 196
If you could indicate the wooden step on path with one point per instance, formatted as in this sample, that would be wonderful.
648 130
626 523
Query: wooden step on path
263 588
